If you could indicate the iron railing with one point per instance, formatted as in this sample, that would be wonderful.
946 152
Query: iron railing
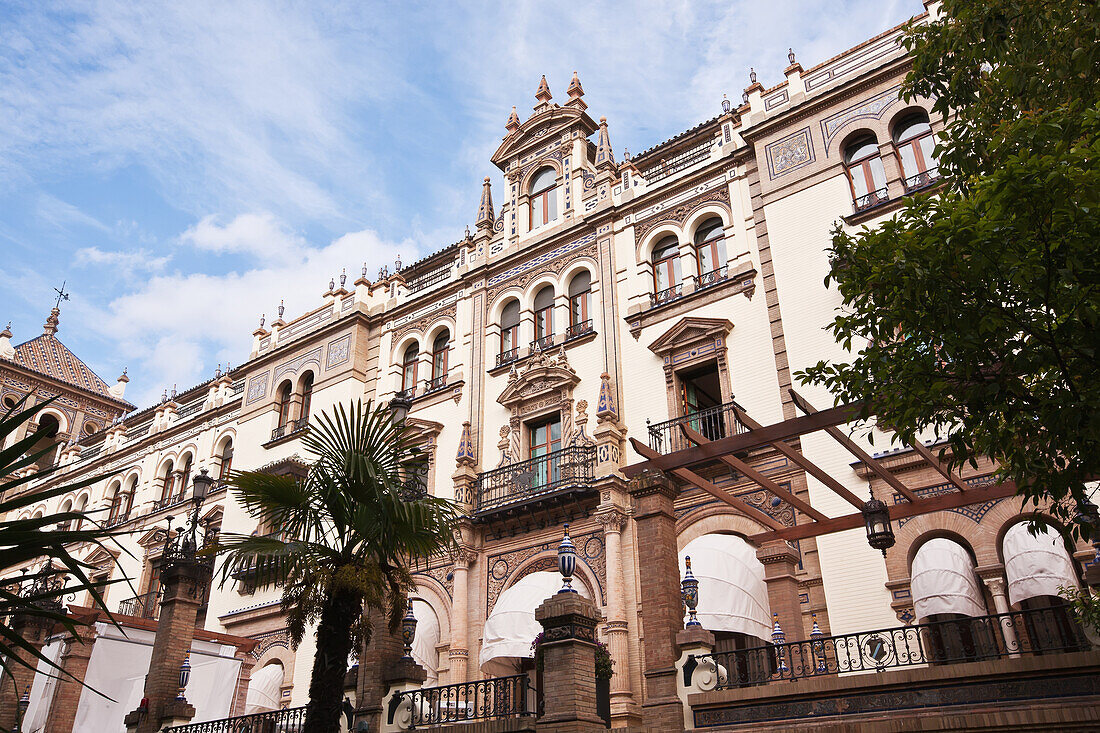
665 296
426 281
117 519
871 200
525 480
190 409
237 387
711 277
168 501
147 605
677 162
290 428
576 330
507 357
713 423
965 639
436 383
924 179
543 342
502 697
291 720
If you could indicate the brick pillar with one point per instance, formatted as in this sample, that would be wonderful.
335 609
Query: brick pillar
182 583
659 604
34 632
568 664
375 661
780 565
66 697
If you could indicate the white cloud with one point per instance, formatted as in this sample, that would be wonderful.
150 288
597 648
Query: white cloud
260 235
124 263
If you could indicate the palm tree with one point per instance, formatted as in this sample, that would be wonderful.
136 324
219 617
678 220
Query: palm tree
346 534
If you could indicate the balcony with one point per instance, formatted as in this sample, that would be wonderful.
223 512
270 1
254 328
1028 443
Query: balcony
435 384
147 605
289 720
288 430
489 699
870 200
922 180
117 520
576 330
713 423
557 478
543 343
507 357
711 278
666 296
168 501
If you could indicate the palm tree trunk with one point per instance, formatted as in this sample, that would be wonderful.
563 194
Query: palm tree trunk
330 663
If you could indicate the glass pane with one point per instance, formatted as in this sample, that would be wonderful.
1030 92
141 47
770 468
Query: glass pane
908 161
707 259
878 173
927 148
859 181
555 432
551 204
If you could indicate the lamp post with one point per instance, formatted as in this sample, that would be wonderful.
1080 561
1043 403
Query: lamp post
876 520
200 490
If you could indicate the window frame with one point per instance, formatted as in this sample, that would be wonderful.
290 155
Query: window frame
543 200
409 368
307 397
440 355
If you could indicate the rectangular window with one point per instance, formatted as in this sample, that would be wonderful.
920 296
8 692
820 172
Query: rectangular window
544 439
544 323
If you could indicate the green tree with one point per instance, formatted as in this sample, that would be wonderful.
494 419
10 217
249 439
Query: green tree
346 535
975 311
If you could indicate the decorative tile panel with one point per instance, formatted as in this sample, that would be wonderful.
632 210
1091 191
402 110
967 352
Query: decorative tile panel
339 351
792 152
872 108
257 388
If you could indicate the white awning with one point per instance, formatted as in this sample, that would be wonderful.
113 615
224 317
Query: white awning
511 627
732 593
264 689
942 580
1036 565
426 640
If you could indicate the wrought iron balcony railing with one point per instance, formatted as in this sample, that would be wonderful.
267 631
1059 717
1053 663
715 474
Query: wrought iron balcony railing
147 605
870 200
711 277
543 342
507 357
525 480
168 501
291 720
666 296
434 384
713 423
576 330
502 697
966 639
922 180
290 427
117 519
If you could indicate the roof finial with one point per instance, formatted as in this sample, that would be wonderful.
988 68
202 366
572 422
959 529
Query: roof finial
485 208
576 91
513 122
790 56
61 294
726 106
604 157
543 93
343 276
262 317
752 75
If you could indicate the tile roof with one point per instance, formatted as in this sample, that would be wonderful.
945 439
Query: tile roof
47 355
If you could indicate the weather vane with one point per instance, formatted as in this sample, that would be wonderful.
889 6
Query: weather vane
61 294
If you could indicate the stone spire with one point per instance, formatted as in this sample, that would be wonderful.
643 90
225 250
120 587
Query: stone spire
604 157
513 122
119 389
543 95
50 328
485 210
7 351
575 92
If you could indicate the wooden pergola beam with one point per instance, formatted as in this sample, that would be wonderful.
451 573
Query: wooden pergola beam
763 481
942 502
935 463
839 436
686 474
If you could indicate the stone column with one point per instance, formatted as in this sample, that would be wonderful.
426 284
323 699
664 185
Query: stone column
375 662
995 582
615 629
659 604
568 664
780 565
66 697
459 654
34 631
182 583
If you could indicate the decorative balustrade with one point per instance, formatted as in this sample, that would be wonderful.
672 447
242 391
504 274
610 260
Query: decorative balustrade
432 278
966 639
922 180
168 501
677 162
289 428
576 330
436 383
543 342
116 520
189 410
507 357
871 200
525 480
502 697
711 277
713 423
147 605
291 720
666 296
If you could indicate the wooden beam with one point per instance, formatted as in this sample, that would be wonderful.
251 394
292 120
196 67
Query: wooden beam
935 463
839 436
738 465
696 480
807 465
757 437
942 502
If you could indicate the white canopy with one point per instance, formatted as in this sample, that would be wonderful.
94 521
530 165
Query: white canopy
264 689
943 580
1036 565
427 638
511 627
732 593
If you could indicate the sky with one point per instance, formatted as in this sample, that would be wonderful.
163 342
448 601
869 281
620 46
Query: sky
183 167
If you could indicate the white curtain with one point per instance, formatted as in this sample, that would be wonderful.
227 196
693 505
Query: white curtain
1036 565
264 689
42 689
732 593
511 627
427 638
942 580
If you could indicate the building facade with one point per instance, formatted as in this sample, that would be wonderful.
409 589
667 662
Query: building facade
597 299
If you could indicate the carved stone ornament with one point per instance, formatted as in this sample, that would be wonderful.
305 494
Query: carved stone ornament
544 382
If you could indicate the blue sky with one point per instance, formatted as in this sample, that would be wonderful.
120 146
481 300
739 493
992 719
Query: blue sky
184 166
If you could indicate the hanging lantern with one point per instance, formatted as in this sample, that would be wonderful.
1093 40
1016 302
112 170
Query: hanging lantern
689 594
818 646
408 630
778 639
876 518
567 562
185 676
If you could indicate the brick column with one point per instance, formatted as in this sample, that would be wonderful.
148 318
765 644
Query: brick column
66 697
375 662
34 632
780 564
659 604
568 664
459 654
181 584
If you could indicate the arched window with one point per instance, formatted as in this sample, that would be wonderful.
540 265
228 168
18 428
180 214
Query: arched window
1037 567
580 290
81 505
48 428
710 252
666 270
440 347
307 399
544 317
916 150
544 198
285 396
865 171
226 461
184 475
509 333
408 369
166 481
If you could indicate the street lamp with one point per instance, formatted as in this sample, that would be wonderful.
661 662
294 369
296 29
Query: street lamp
201 487
876 519
399 407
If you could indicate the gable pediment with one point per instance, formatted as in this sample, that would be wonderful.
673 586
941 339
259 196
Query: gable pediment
543 374
540 127
689 331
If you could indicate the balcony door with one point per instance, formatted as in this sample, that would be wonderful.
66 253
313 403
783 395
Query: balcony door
700 400
544 439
